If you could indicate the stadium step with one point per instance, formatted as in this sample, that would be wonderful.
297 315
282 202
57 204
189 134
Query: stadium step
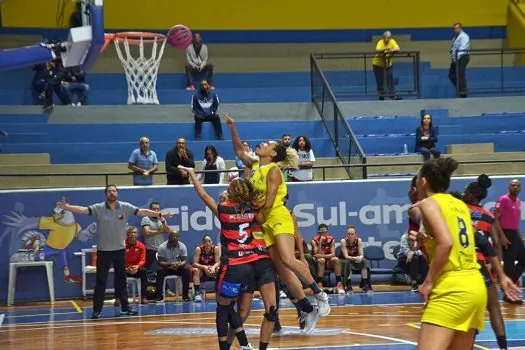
36 159
470 148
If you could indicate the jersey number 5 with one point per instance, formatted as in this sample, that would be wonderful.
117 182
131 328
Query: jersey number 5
463 233
243 235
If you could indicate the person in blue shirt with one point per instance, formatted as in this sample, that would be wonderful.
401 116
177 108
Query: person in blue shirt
426 138
204 105
460 57
143 162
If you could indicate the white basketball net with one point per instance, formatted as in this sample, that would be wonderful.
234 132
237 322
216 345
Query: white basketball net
141 72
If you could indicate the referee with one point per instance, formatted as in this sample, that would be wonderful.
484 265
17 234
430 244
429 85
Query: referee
111 217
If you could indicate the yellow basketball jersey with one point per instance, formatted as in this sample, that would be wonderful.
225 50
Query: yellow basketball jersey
457 216
259 181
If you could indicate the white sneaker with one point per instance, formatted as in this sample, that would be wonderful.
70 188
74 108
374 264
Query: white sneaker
310 320
340 289
282 295
322 302
248 347
198 298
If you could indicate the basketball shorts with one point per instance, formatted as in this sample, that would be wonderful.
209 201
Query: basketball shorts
277 221
234 280
458 301
264 272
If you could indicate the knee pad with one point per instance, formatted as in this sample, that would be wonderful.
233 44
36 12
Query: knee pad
271 315
234 318
222 320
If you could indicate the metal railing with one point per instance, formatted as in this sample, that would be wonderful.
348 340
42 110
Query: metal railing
354 74
347 148
109 178
508 77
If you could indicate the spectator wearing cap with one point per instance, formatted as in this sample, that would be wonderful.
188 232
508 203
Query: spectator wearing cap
143 162
383 66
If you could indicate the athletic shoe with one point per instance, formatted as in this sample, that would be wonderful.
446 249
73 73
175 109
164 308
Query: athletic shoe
310 320
247 347
130 312
414 289
198 298
322 303
340 289
95 315
349 290
282 295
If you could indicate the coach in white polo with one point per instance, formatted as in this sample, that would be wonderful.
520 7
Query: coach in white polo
111 217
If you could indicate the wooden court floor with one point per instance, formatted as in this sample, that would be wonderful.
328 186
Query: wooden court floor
379 320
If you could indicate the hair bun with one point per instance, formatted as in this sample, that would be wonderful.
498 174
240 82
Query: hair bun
446 166
484 181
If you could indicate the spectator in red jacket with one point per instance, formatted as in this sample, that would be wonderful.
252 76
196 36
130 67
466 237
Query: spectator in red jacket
135 260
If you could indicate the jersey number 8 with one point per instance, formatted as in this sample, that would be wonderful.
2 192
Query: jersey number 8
463 233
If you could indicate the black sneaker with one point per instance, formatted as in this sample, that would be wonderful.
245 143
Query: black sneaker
130 312
517 302
95 315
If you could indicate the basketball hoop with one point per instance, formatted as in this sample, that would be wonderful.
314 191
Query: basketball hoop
141 72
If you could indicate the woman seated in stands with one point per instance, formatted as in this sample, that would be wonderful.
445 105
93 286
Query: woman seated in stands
412 262
212 161
426 138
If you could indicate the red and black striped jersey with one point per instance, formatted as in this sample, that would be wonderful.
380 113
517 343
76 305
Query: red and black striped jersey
482 220
352 245
207 258
239 246
326 246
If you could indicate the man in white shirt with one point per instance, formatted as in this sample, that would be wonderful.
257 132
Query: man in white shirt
460 57
197 56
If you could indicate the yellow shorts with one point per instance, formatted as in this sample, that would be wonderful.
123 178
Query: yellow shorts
277 221
458 301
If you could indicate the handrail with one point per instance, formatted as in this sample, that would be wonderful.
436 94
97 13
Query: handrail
328 166
338 116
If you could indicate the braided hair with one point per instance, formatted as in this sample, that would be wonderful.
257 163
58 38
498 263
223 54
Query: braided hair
242 192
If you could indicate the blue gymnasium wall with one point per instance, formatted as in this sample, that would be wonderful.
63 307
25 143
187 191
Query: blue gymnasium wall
376 208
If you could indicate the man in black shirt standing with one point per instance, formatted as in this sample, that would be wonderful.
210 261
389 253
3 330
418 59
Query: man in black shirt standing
178 155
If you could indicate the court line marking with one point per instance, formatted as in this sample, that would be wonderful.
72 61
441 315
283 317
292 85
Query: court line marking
40 315
75 305
2 316
337 346
416 326
399 340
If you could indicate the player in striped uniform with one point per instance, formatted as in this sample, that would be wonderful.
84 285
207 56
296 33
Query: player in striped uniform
245 263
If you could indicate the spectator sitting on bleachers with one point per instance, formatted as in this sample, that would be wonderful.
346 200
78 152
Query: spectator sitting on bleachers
306 160
197 57
212 161
426 138
143 162
206 260
323 250
412 262
353 258
75 87
286 139
204 105
47 79
178 155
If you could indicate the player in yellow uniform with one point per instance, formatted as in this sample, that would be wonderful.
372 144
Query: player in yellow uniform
454 290
278 227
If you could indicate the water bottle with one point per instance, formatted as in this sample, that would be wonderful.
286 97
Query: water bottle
41 255
31 256
405 149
